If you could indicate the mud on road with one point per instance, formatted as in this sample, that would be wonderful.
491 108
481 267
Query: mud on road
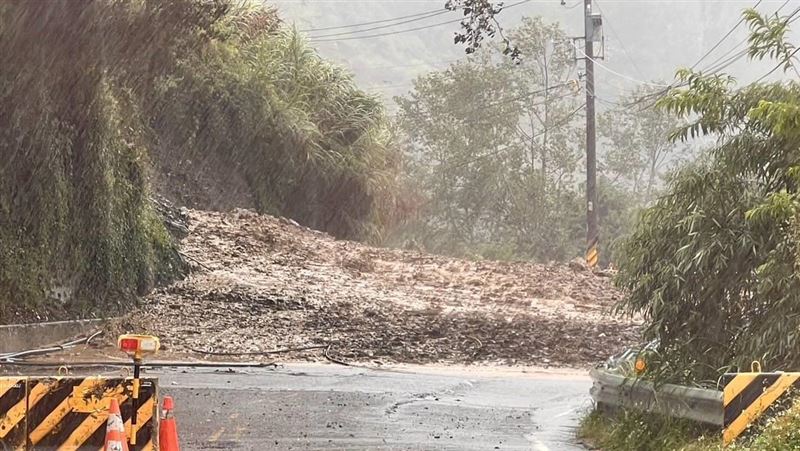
259 283
326 407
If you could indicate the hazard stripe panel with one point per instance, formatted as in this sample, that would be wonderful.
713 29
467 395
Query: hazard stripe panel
12 396
746 397
65 413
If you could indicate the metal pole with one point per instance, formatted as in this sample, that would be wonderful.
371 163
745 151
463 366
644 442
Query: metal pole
137 366
592 228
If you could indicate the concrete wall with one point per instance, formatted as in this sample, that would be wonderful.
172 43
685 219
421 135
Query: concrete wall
21 337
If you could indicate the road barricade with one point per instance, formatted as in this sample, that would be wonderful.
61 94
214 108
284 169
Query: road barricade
70 413
749 396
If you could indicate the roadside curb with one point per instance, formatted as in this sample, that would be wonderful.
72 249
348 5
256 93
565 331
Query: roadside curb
19 337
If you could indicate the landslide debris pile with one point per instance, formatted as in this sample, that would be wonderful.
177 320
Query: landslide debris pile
260 283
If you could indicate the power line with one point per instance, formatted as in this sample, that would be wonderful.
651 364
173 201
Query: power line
789 19
619 74
521 97
390 33
609 102
356 25
726 54
380 27
715 67
730 32
621 42
722 63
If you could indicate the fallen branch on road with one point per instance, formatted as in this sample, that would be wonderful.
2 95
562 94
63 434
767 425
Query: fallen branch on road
326 353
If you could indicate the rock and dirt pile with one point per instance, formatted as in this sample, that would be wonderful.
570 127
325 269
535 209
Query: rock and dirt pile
261 283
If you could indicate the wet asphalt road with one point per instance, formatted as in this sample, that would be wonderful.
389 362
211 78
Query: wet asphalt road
328 407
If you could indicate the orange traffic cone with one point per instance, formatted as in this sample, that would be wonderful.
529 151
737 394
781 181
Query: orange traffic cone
168 432
115 429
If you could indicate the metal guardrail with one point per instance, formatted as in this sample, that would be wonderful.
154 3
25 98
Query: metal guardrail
697 404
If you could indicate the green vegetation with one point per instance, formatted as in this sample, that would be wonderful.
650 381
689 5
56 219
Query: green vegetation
310 144
75 224
712 265
634 431
92 89
499 161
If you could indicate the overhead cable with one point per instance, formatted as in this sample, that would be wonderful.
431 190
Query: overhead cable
619 74
621 42
407 30
730 32
379 27
520 97
717 65
356 25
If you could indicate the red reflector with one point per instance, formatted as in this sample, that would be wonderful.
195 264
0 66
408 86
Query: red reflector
129 344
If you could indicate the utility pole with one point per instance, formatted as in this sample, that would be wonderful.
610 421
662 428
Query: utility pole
592 226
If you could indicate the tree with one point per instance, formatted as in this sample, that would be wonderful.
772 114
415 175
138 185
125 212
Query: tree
493 149
637 147
712 264
454 130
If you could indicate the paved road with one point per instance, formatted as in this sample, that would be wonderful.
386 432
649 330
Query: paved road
328 407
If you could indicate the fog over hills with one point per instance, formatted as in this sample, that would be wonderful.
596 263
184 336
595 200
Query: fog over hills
645 40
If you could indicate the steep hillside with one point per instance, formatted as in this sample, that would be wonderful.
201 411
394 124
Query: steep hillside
261 283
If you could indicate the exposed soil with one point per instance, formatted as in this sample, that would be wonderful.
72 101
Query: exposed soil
261 283
206 181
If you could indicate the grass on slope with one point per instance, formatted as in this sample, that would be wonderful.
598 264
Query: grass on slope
634 431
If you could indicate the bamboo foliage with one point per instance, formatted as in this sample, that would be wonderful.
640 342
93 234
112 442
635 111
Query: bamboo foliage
92 91
712 265
311 144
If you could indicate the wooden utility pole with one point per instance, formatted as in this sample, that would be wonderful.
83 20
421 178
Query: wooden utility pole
592 227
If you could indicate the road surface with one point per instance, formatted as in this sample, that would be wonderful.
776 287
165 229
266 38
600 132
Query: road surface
330 407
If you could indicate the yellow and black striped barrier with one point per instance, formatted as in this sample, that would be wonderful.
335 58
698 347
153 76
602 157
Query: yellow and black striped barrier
749 396
67 413
592 253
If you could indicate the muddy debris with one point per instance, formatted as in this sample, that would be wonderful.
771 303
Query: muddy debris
260 283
